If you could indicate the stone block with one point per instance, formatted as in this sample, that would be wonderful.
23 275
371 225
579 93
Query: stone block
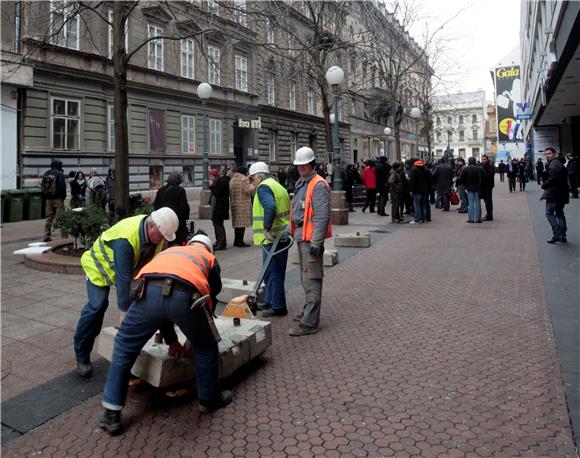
233 288
353 240
330 258
239 345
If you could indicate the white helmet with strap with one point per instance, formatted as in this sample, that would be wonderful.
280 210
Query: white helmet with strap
259 167
304 155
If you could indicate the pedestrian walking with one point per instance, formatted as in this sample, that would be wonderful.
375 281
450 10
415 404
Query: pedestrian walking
501 169
117 254
173 195
78 189
572 175
443 177
350 178
540 171
271 216
220 206
369 179
241 204
556 195
460 188
471 178
420 182
310 225
522 175
487 185
172 282
512 174
396 189
53 186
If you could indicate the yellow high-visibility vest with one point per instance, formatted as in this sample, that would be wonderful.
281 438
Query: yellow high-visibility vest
282 218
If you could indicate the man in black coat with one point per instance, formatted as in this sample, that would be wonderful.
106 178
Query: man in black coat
556 196
420 181
54 192
471 178
172 195
382 177
487 184
220 206
572 175
443 177
540 171
501 170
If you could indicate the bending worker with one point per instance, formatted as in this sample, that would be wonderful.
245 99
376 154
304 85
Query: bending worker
173 281
270 215
114 258
310 224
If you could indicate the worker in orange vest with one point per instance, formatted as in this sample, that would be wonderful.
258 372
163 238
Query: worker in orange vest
174 282
310 225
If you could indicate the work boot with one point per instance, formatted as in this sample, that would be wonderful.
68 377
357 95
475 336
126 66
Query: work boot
111 421
223 399
302 330
274 312
264 306
85 369
298 317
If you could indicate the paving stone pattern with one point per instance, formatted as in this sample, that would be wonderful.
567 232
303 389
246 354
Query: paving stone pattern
435 341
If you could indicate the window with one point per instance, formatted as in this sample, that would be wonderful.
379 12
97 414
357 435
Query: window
292 95
111 127
187 58
449 120
155 61
461 152
460 119
353 69
64 24
188 134
273 138
449 136
353 106
270 38
215 136
293 145
271 88
240 12
438 121
213 7
241 73
291 45
310 99
156 131
110 34
475 152
461 136
66 119
474 118
213 67
474 134
438 136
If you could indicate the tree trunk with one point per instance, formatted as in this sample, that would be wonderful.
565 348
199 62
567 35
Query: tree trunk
398 142
120 104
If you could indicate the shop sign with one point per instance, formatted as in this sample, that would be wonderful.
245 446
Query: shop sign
252 124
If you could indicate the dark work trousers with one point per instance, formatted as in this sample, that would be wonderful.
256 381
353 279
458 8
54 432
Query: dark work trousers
371 199
501 175
407 200
487 200
445 200
539 177
512 183
220 233
383 197
395 211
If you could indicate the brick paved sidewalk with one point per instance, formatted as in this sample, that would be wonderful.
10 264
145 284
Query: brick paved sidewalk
434 341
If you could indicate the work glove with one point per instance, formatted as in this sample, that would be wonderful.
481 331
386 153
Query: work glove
268 235
316 251
176 349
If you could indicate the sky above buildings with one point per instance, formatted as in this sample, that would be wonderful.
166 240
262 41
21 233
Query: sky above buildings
475 36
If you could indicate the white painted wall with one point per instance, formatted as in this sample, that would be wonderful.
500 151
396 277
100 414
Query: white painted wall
9 135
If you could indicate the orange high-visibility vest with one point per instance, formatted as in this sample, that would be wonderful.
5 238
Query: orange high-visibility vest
308 225
191 263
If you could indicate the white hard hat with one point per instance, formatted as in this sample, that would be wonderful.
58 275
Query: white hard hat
204 239
166 221
303 156
259 167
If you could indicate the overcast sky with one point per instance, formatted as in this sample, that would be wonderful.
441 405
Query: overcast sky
483 32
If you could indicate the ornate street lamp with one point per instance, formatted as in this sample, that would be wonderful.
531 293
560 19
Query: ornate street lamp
335 76
204 92
416 114
387 132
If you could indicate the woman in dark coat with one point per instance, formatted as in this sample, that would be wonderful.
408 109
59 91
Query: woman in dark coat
78 189
522 175
172 195
220 206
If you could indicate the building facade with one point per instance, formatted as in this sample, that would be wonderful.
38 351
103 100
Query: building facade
550 57
263 105
460 121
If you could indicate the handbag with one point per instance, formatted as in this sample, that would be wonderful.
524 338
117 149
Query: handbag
454 198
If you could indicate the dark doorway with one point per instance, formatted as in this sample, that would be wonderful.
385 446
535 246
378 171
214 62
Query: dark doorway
242 142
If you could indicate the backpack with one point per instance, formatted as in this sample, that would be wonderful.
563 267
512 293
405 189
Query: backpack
49 185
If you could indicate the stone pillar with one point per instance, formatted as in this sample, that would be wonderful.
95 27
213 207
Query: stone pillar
339 210
204 207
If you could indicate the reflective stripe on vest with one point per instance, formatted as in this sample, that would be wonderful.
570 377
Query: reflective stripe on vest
309 223
282 217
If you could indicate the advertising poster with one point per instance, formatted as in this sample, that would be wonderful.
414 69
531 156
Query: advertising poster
508 104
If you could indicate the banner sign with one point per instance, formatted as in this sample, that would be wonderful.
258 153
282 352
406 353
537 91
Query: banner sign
523 111
508 90
157 131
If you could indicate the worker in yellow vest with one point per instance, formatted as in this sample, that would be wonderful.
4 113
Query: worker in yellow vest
114 258
310 225
271 216
174 280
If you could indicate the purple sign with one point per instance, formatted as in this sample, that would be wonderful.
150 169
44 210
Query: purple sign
157 131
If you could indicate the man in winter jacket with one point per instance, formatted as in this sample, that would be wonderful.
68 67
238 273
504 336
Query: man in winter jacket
420 183
369 179
382 176
471 178
572 175
487 184
54 191
443 177
220 206
556 196
396 190
172 195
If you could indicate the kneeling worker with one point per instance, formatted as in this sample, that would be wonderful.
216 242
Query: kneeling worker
173 280
115 257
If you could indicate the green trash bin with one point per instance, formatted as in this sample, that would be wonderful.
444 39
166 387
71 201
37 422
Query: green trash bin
15 205
32 204
5 197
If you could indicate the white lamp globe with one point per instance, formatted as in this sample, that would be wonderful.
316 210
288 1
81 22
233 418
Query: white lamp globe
332 118
387 131
415 113
204 91
334 75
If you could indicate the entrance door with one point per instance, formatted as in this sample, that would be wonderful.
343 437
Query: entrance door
242 142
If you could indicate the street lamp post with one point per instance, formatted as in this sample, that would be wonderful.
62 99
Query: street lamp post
334 76
416 114
387 132
204 92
